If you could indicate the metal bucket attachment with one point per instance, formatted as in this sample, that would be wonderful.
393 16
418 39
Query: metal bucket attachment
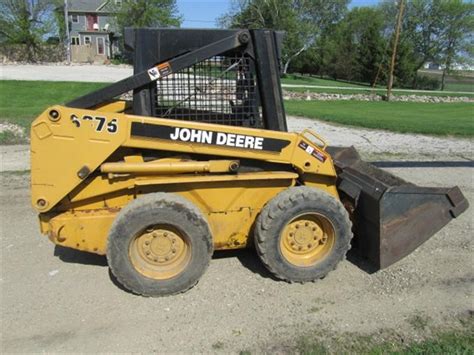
391 217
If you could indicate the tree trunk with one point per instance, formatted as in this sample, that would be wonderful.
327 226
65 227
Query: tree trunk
287 64
443 77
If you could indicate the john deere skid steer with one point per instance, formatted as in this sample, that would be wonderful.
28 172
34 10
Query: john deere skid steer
197 158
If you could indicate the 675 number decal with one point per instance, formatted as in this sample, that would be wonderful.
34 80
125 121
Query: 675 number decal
101 123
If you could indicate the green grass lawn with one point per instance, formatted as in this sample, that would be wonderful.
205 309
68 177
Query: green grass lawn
453 342
460 81
22 101
453 83
427 118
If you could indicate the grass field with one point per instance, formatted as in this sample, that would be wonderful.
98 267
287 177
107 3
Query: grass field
453 83
427 118
462 81
22 101
452 342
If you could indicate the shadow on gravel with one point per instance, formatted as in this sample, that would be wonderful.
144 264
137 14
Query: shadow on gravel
248 258
360 262
424 164
79 257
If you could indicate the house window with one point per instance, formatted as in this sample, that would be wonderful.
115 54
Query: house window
87 40
118 3
75 18
100 45
75 41
92 20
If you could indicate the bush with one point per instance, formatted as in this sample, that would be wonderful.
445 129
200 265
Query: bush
427 83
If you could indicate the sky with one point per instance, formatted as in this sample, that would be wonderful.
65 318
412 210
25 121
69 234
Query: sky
203 13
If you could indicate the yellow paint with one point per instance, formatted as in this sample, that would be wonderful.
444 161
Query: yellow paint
160 253
78 203
307 239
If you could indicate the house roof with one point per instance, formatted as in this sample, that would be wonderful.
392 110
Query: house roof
90 6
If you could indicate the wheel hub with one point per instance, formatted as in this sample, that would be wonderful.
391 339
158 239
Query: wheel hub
304 235
159 253
160 246
306 239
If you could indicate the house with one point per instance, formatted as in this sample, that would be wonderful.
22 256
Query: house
92 28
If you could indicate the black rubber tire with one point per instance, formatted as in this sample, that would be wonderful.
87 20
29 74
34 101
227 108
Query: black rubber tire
281 210
153 209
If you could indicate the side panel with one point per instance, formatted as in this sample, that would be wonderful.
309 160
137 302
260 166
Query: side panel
68 148
230 218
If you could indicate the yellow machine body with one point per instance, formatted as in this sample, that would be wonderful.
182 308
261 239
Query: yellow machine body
88 164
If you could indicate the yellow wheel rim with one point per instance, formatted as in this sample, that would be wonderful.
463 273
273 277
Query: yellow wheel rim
307 239
160 252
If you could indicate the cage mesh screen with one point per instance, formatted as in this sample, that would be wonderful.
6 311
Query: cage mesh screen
219 90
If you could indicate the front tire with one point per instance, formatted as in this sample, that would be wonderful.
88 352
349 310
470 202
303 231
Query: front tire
159 244
302 234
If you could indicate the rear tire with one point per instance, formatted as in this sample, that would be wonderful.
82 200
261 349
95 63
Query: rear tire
159 245
302 234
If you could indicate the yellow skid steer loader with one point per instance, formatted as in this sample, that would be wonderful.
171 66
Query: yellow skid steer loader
200 160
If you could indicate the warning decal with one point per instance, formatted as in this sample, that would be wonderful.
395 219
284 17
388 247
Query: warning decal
312 151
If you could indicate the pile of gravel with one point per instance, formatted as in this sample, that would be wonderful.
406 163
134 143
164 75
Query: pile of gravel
16 133
309 96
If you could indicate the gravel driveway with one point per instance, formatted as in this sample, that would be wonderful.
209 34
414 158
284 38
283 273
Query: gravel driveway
90 73
60 300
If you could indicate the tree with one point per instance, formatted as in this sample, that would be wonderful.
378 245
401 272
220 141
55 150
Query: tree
457 25
314 18
418 32
302 20
366 25
430 30
147 13
25 22
273 14
353 48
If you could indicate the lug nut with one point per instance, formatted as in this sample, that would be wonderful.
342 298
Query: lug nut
165 234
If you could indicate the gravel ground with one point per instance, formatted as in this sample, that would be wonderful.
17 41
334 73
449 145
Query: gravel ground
90 73
59 300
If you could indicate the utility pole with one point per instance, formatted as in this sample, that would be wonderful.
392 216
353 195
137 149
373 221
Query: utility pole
68 39
394 50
